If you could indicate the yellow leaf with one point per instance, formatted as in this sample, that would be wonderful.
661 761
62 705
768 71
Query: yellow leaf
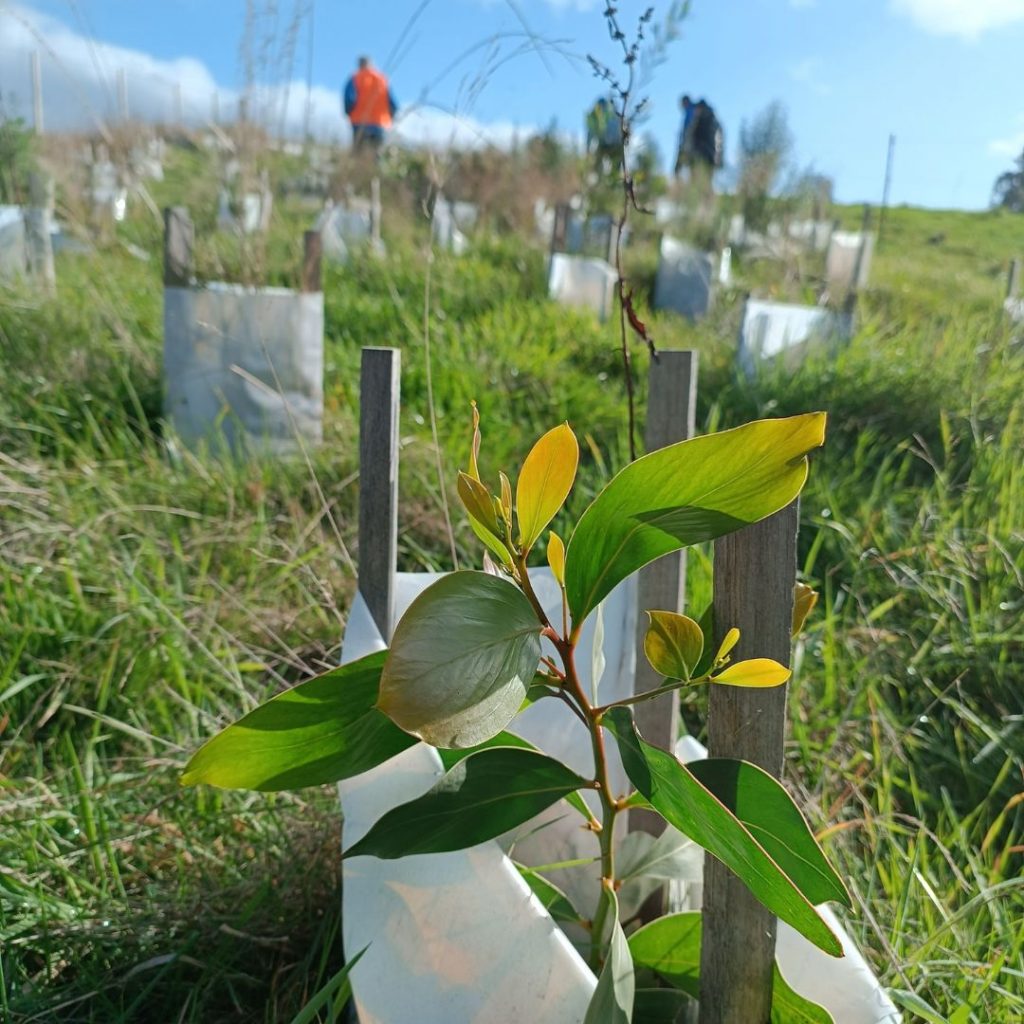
732 638
545 481
758 672
506 498
556 557
804 600
474 448
673 644
482 517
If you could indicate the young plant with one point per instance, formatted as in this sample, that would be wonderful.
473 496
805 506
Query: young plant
467 657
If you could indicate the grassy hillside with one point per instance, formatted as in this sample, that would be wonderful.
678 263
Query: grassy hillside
148 598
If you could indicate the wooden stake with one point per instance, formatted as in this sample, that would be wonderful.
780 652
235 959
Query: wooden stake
312 252
179 239
754 577
379 389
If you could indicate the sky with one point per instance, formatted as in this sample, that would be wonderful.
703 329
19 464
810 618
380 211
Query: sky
943 76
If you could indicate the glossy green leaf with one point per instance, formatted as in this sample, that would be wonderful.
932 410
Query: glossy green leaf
670 946
554 901
545 481
768 813
659 1006
461 660
612 1002
480 798
450 758
689 492
322 730
676 793
756 673
673 644
789 1007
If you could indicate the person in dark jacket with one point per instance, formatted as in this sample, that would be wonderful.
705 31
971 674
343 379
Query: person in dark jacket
369 105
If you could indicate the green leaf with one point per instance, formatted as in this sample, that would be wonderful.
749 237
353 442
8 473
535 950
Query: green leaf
482 797
789 1007
555 902
483 519
545 481
673 644
670 946
450 758
689 492
659 1005
461 660
686 803
338 991
768 813
322 730
612 1002
757 673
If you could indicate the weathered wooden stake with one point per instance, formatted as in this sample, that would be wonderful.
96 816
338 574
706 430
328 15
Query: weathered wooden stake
179 239
379 387
312 253
560 227
375 212
754 577
38 217
671 417
1013 279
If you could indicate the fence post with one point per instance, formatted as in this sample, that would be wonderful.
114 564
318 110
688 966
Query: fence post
671 417
754 577
312 257
179 238
375 213
38 217
379 385
1013 279
560 227
37 92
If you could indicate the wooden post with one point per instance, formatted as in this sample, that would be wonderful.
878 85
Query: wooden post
560 229
375 213
671 417
37 93
179 238
754 576
1013 279
179 105
885 188
38 218
312 252
378 482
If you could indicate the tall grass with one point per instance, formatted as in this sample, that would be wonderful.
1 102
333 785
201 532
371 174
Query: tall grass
147 598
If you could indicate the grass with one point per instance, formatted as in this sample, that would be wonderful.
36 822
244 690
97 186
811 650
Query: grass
146 600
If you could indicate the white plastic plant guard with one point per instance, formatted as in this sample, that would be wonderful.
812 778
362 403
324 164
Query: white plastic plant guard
582 283
725 267
459 938
444 228
846 267
244 367
815 234
772 329
1014 309
684 282
343 228
665 211
13 253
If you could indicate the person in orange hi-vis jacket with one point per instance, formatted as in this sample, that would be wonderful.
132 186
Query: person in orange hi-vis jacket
369 105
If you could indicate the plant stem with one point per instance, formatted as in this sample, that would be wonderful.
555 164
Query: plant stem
639 698
609 808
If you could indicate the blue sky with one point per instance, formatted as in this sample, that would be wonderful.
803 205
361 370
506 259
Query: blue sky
943 75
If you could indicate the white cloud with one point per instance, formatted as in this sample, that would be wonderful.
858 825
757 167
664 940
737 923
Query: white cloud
807 72
80 76
965 18
1011 145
